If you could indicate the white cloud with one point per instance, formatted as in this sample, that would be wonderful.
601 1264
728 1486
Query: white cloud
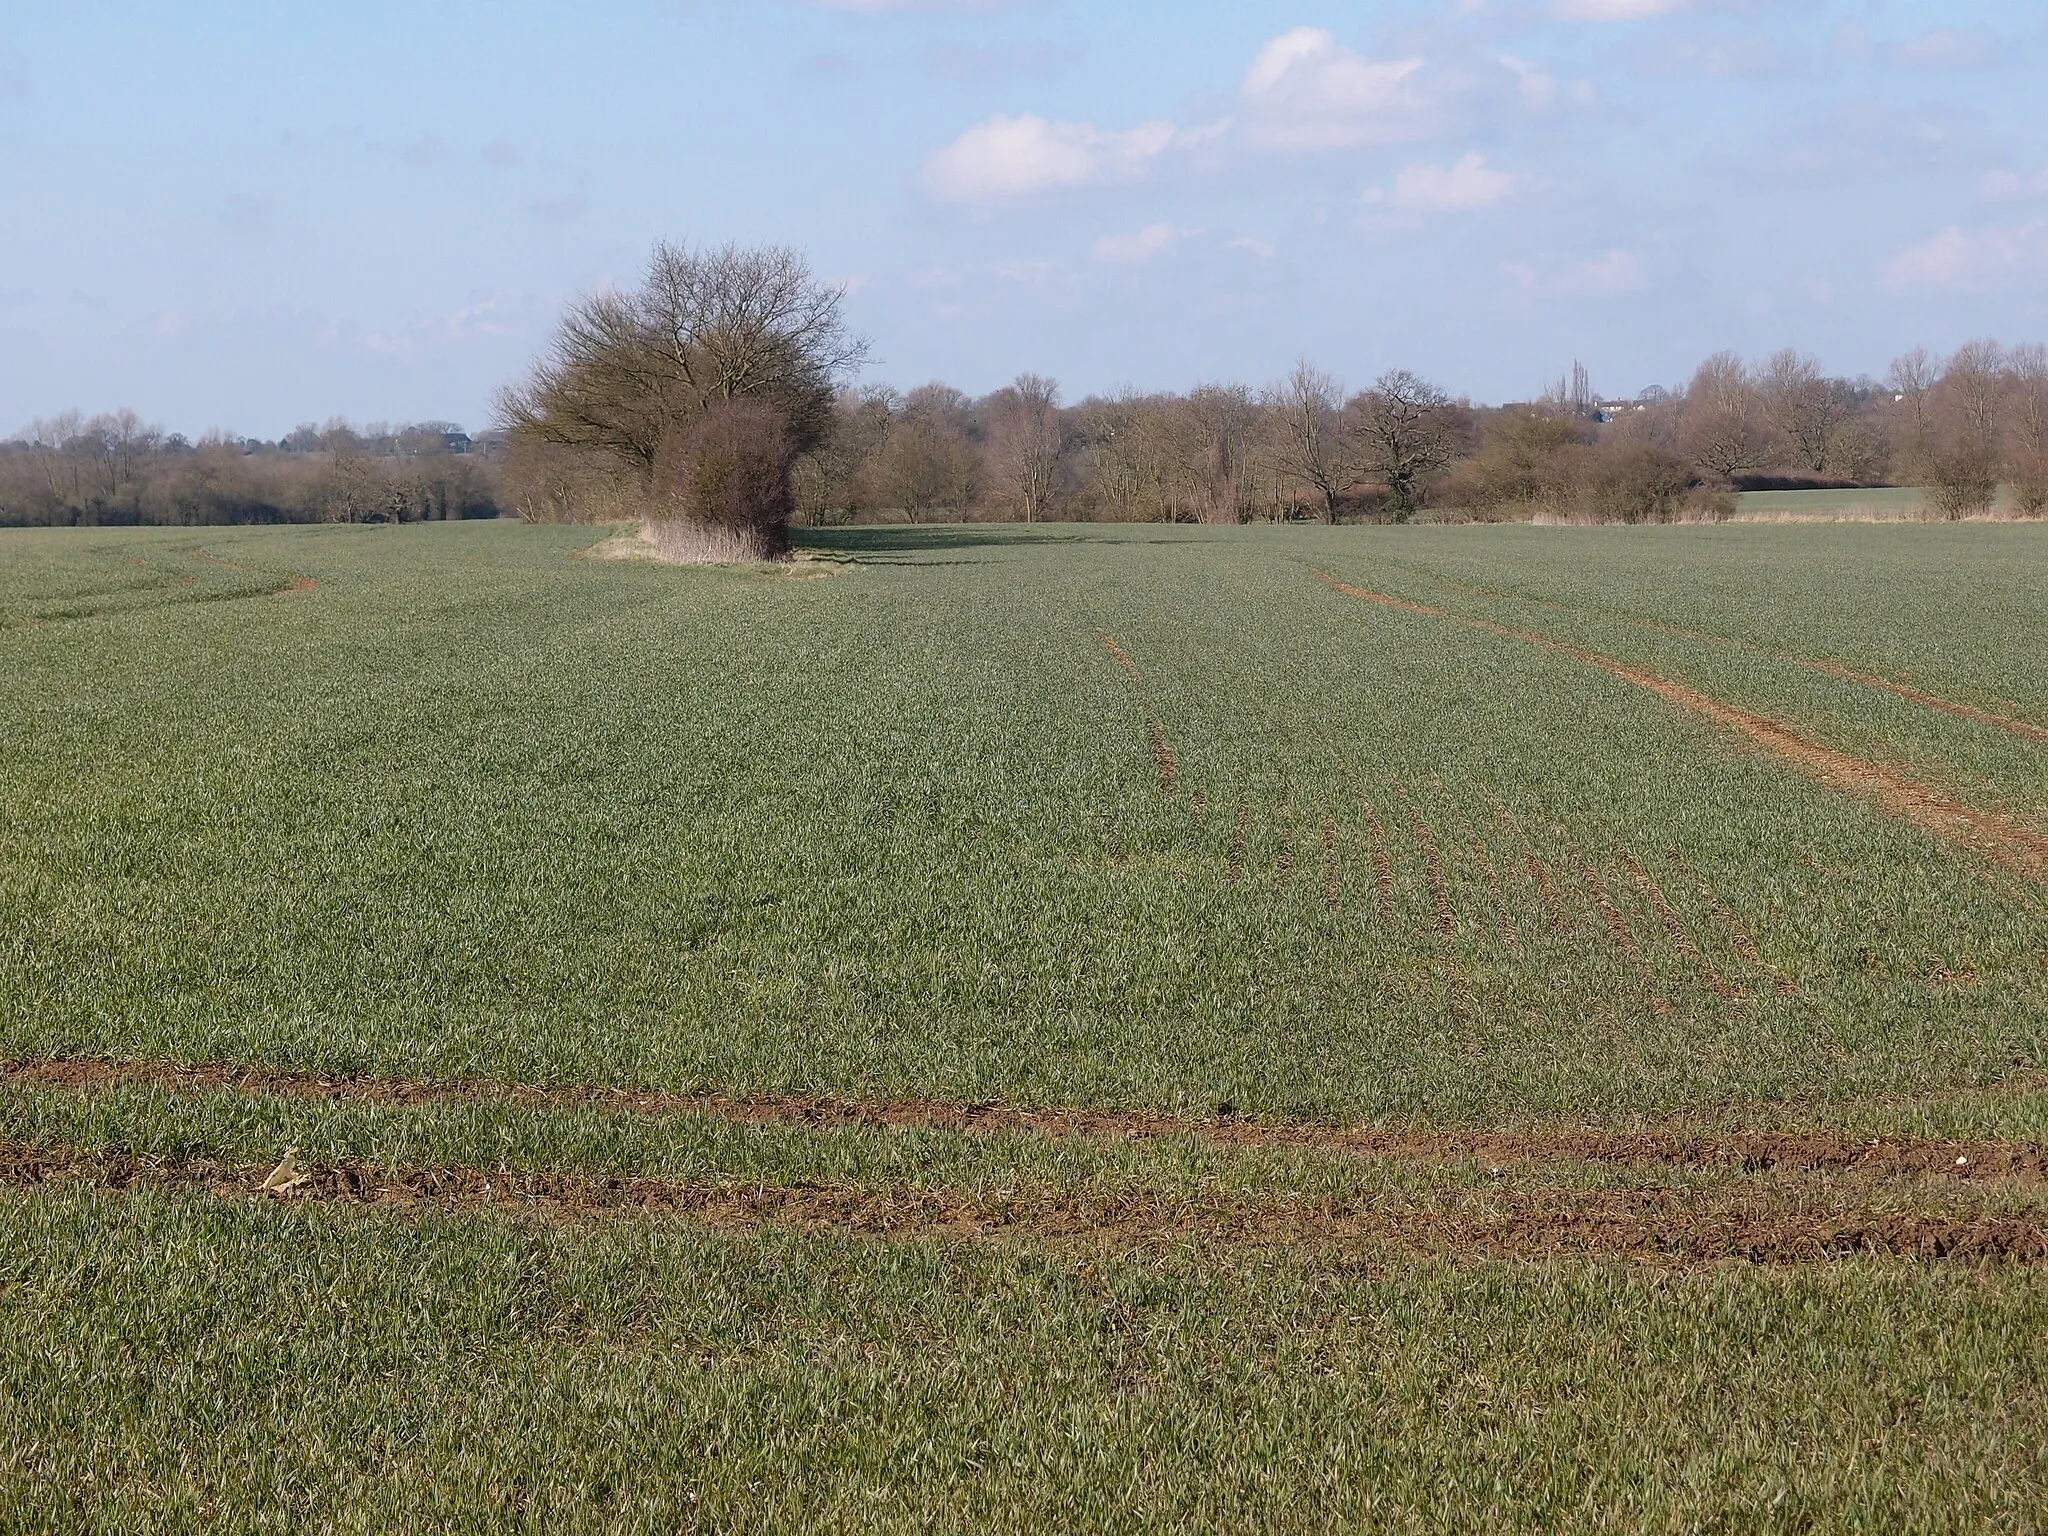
1960 260
1305 91
1135 250
1018 156
1262 249
1616 10
1469 184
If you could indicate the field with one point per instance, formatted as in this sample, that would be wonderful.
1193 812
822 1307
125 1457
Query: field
1876 505
1010 1029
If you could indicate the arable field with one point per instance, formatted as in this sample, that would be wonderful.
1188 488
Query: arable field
1025 1028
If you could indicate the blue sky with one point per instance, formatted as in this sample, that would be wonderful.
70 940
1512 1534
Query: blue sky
246 216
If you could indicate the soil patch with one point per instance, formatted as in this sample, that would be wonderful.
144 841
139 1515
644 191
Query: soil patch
1656 1226
1676 1144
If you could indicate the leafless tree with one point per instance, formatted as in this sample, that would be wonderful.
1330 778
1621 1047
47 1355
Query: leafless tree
1960 454
1808 409
1314 445
1027 442
1572 395
1405 434
2027 429
1722 425
629 377
928 462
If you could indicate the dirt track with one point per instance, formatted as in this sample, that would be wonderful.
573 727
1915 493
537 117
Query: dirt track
2018 848
1654 1226
1675 1145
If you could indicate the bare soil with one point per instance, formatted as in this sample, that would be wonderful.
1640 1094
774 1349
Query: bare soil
1772 1226
1676 1143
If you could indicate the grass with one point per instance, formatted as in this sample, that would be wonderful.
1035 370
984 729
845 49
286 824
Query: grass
447 801
1873 504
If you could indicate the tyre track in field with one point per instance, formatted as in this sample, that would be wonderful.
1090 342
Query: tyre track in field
1163 760
2011 723
2016 848
1674 1144
1767 1226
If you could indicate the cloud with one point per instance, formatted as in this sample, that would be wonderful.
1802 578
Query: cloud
15 84
1263 249
1304 91
1136 249
1616 10
500 155
1469 184
1967 261
1008 157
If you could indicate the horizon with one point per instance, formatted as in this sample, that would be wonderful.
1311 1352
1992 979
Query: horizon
1142 196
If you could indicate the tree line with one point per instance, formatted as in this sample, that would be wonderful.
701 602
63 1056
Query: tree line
115 469
715 403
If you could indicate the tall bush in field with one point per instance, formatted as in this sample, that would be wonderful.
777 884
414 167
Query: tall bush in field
696 391
1960 445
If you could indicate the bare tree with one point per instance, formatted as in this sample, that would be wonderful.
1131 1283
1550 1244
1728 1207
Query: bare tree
1959 454
1404 434
2026 451
1314 445
928 462
1808 409
1722 420
1027 442
629 379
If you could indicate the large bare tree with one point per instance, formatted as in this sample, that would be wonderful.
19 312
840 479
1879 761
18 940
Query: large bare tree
1405 433
1026 444
1809 410
632 380
1722 425
1313 445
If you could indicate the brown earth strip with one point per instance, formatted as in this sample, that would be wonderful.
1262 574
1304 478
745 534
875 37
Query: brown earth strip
1739 936
1617 925
1675 928
2006 842
1432 861
1163 760
1675 1144
1832 668
1947 706
1661 1226
1233 866
1382 864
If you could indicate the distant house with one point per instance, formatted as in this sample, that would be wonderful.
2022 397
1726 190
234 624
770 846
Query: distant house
456 442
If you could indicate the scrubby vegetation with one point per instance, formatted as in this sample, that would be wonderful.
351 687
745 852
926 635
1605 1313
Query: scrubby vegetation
115 469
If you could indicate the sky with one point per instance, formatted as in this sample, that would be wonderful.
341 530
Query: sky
246 216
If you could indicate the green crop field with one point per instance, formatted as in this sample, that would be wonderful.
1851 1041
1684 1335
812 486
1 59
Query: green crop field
1025 1028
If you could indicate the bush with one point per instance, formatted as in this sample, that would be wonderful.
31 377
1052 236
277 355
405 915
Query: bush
727 475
